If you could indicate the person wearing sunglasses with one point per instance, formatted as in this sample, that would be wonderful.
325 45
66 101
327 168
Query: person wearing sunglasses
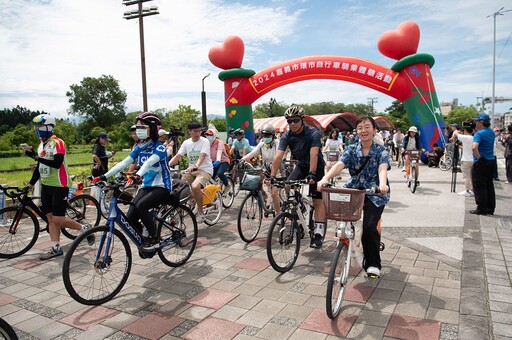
52 171
305 146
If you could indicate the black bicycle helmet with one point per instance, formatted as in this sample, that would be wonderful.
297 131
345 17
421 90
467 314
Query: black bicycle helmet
268 129
239 132
293 111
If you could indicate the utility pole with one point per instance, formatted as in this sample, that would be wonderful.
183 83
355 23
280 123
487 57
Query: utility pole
372 100
495 14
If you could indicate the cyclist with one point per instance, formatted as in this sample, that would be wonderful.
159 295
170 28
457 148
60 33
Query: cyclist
411 142
219 157
367 163
267 149
155 174
305 143
397 143
333 147
200 167
241 146
52 169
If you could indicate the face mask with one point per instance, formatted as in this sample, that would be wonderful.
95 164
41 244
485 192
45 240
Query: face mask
142 134
267 140
210 139
44 131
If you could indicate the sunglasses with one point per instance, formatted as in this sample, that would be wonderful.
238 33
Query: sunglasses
294 120
267 135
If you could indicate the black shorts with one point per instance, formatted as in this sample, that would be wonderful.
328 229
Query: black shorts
300 173
54 200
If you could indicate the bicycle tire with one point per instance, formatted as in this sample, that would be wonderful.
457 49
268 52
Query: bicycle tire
337 281
181 226
249 219
105 197
229 197
85 279
27 232
283 242
6 331
414 179
217 207
445 163
84 209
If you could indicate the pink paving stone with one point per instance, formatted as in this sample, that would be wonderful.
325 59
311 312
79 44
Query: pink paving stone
6 299
212 298
201 241
252 264
407 327
354 270
89 317
358 293
29 263
213 329
259 242
318 321
153 325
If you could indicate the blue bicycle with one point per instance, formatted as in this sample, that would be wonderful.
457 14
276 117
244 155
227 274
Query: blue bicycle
94 274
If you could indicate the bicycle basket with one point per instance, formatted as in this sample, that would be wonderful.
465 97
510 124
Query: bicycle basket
333 156
343 204
180 191
414 155
251 181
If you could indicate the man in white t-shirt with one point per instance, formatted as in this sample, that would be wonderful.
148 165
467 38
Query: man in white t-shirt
466 160
200 167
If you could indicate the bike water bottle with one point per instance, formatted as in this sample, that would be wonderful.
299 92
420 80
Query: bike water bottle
145 232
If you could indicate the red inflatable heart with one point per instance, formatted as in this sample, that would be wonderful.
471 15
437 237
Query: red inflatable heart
228 55
401 42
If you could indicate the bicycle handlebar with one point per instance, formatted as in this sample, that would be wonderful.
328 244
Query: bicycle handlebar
14 192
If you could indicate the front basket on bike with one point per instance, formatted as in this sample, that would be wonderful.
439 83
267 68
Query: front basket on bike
251 181
343 204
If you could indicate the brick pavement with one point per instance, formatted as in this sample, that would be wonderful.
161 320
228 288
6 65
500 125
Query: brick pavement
227 290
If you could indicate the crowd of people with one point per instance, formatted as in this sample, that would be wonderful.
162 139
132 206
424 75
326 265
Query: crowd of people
365 152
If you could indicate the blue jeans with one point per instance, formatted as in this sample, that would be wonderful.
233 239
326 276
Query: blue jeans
220 171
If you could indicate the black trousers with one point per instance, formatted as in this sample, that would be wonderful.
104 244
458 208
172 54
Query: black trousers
508 168
146 199
483 185
371 234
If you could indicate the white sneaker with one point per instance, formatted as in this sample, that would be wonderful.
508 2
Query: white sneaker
373 272
200 218
471 193
464 193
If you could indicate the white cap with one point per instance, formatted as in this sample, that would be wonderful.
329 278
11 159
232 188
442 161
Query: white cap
162 132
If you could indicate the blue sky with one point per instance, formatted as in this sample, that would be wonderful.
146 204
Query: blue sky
48 45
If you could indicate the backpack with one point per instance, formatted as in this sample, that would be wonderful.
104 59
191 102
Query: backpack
226 146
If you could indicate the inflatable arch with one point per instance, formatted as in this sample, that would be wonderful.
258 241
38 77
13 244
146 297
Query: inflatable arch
409 80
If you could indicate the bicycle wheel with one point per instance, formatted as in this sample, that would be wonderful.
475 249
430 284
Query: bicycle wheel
85 210
445 163
283 242
6 331
92 276
250 216
213 211
414 178
19 230
337 281
178 227
105 197
228 197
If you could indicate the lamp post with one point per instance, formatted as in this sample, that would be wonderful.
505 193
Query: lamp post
495 14
140 13
203 101
372 100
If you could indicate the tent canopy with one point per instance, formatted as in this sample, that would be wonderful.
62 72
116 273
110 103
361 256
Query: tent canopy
345 121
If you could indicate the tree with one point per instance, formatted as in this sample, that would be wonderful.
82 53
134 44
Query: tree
23 133
99 99
11 118
183 115
460 114
397 115
66 131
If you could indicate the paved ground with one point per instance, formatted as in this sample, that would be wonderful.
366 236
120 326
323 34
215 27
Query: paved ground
447 275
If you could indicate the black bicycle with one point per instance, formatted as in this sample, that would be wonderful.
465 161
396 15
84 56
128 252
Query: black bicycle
94 274
19 224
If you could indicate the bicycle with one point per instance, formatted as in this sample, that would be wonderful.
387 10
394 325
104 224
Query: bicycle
95 274
288 227
445 163
412 172
253 206
6 331
345 206
106 195
228 196
19 223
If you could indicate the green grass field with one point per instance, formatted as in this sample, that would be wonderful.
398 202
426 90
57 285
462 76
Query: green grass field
21 177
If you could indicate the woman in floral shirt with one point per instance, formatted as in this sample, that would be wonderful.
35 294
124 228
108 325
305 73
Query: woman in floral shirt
367 164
